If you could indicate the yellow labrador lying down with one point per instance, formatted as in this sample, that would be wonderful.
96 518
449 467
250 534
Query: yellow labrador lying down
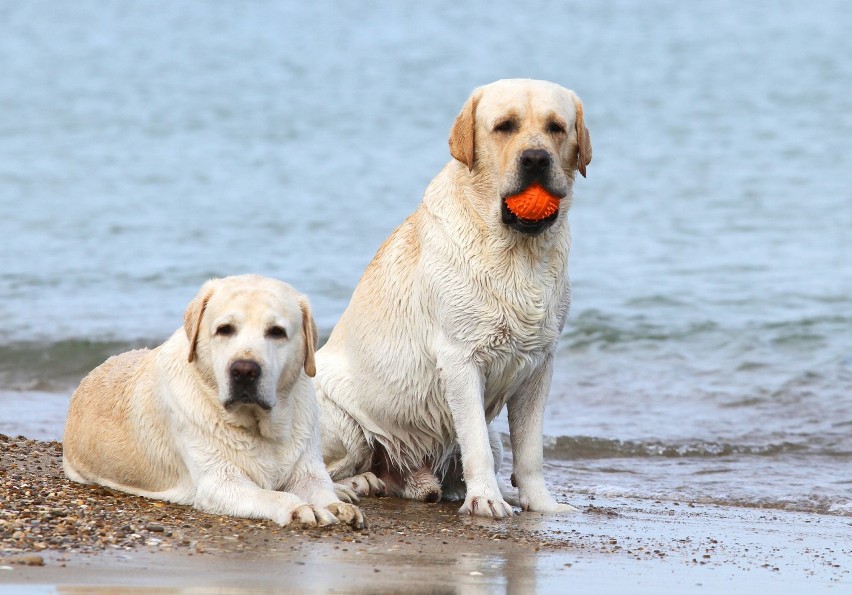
222 416
459 314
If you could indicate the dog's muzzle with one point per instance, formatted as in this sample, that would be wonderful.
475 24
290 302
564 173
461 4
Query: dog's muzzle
535 166
525 226
245 375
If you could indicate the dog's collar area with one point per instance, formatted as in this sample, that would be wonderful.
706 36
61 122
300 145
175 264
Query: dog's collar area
525 226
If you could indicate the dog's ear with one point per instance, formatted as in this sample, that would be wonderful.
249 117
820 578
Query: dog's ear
193 315
584 141
309 331
463 133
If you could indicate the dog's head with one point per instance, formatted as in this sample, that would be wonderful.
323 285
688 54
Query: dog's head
250 337
518 132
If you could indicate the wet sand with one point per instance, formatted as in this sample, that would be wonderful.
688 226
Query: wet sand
60 536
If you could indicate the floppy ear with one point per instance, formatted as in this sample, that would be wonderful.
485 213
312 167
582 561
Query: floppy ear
584 141
309 331
193 315
462 135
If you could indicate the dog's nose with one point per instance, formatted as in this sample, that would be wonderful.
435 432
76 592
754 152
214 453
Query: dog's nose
245 371
535 161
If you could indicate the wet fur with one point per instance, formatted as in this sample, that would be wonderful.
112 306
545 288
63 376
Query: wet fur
154 422
458 316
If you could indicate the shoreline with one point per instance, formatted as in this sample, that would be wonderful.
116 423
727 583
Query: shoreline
89 535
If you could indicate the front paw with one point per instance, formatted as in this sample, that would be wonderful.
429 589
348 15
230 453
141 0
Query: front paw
546 505
365 484
486 505
347 513
345 494
308 515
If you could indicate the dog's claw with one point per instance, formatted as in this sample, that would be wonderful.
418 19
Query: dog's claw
308 515
347 513
365 484
325 517
345 494
497 508
304 515
491 506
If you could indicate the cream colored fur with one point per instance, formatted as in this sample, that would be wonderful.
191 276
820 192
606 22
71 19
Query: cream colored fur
164 424
457 316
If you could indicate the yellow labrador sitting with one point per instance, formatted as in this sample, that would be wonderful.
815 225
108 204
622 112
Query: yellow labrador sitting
222 416
459 314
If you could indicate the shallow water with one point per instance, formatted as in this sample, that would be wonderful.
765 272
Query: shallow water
708 352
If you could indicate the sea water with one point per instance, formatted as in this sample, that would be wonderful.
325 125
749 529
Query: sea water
145 147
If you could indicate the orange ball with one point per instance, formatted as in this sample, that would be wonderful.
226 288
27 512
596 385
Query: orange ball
533 204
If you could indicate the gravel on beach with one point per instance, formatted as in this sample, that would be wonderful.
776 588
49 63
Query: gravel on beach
40 509
45 519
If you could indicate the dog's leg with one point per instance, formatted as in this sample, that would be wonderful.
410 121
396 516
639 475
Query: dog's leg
310 481
346 453
496 447
345 450
453 488
463 389
229 492
453 484
526 424
509 494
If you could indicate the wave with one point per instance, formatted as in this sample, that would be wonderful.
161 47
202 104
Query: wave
593 328
60 365
814 503
56 366
587 447
810 474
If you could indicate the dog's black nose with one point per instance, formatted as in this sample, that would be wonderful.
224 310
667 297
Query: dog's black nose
245 371
535 161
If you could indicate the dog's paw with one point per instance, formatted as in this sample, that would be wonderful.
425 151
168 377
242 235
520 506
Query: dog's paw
345 494
365 484
555 508
308 515
494 507
347 513
546 505
562 507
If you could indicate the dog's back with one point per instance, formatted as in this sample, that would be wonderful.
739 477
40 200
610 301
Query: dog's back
101 440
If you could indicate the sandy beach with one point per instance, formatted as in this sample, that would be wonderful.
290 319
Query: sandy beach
700 410
56 536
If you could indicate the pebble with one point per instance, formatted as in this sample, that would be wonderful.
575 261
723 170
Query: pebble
27 560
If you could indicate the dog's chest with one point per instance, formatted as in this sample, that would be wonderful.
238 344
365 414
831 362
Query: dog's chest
520 324
268 463
514 330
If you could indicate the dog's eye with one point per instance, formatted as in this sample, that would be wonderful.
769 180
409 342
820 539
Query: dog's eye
555 128
225 330
506 126
276 332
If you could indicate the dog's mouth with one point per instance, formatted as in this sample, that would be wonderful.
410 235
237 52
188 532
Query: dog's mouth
249 398
530 227
245 375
